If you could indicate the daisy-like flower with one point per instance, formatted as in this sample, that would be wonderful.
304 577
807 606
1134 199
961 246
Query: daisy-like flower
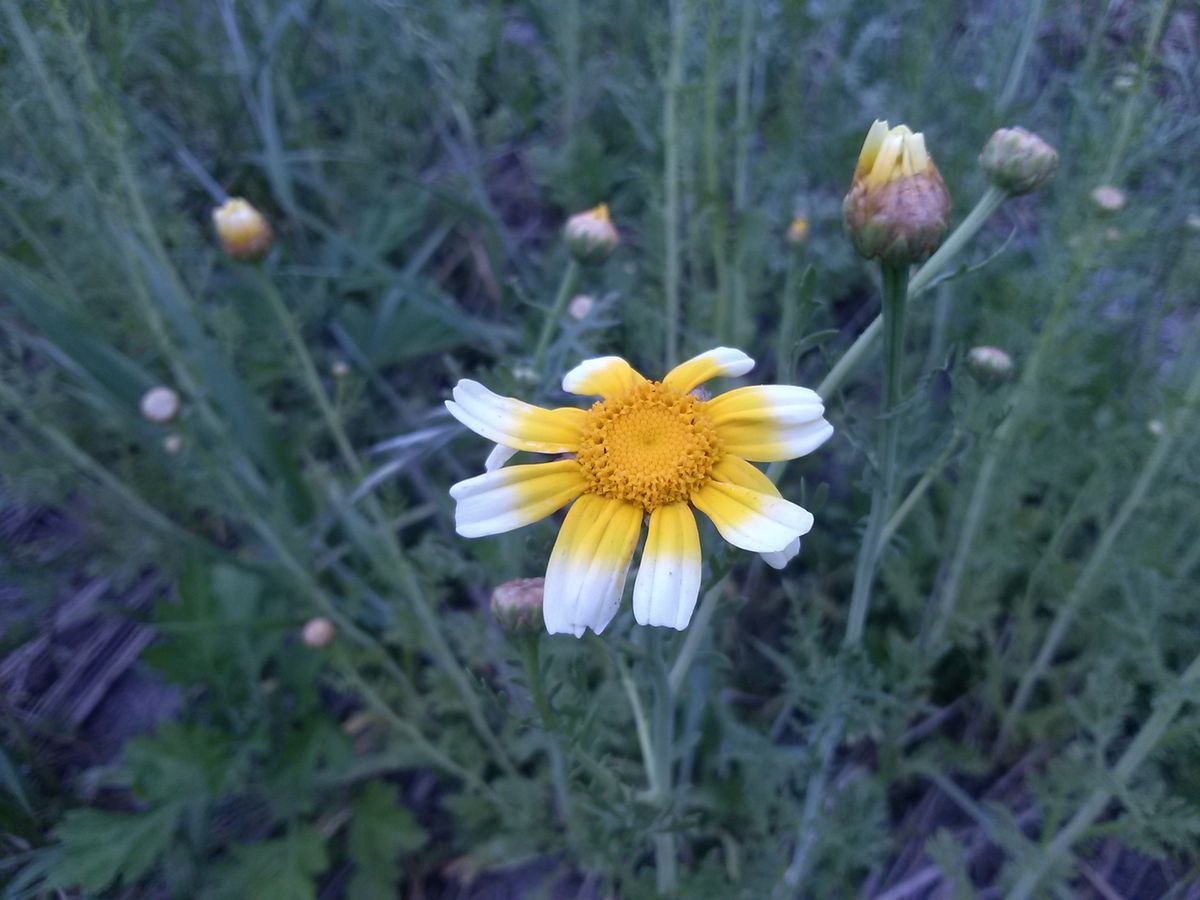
645 449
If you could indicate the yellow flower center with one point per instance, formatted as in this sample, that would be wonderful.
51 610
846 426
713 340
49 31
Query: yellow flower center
652 446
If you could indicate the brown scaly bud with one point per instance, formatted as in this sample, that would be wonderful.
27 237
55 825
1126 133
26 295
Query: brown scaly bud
898 208
517 605
1018 160
244 233
591 236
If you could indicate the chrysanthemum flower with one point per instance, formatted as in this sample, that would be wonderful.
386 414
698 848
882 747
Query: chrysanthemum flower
645 449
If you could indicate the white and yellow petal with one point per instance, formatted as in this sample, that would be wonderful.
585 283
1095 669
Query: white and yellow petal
498 457
505 499
588 566
751 520
738 471
605 376
769 422
726 361
668 579
514 423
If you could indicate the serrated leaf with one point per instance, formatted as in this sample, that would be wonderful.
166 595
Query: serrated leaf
285 868
380 831
100 848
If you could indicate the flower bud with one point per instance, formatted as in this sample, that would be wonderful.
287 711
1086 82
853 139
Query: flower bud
318 633
517 605
989 365
340 368
160 405
580 306
797 232
1108 199
591 236
1156 427
244 234
1018 160
898 208
1193 222
172 444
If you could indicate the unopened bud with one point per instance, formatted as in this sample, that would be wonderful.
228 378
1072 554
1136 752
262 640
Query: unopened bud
591 236
1018 160
797 232
244 234
517 605
989 365
580 306
318 633
172 444
1108 199
339 368
160 405
898 208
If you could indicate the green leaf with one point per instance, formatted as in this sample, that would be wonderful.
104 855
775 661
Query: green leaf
11 782
285 868
379 832
100 848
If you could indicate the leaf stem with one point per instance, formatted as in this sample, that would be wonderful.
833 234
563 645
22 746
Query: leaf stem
550 324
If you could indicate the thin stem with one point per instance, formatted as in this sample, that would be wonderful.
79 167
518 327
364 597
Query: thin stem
991 200
674 82
787 325
919 489
533 676
741 165
550 325
718 234
895 294
641 725
1033 15
308 371
814 793
1100 556
663 735
1142 746
695 634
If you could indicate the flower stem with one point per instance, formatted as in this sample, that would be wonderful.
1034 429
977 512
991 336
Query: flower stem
895 295
991 200
1135 754
550 325
308 372
674 83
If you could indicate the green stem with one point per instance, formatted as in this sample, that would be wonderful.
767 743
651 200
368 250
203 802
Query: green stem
718 234
1143 745
663 734
1099 558
741 167
814 793
674 83
533 676
991 200
1033 15
308 371
895 294
695 634
550 325
918 491
787 325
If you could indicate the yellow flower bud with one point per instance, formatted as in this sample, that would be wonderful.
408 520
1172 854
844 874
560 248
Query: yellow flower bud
1018 160
244 234
591 236
797 232
517 605
898 208
318 633
160 405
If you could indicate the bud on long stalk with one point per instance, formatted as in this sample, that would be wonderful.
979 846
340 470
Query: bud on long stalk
1018 160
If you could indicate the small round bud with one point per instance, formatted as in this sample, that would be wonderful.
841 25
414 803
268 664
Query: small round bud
1156 427
591 236
244 234
898 208
797 232
160 405
318 633
580 306
339 368
989 365
1108 199
1018 160
172 444
517 605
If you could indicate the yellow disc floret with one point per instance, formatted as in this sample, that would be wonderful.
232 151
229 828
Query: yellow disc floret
652 446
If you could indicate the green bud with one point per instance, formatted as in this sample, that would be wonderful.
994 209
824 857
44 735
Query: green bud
591 236
989 365
1018 160
517 605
